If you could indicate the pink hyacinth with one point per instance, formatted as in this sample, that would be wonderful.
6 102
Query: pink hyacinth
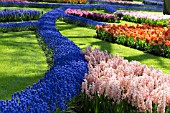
146 15
118 79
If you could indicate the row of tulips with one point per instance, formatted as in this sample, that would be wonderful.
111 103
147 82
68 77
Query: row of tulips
144 17
16 27
92 15
152 39
115 85
8 15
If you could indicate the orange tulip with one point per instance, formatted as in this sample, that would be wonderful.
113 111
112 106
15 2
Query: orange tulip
167 43
156 34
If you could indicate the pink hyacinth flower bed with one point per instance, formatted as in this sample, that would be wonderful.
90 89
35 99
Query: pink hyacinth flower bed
92 15
119 80
139 14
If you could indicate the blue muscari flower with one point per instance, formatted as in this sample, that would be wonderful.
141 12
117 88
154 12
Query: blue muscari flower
22 25
17 15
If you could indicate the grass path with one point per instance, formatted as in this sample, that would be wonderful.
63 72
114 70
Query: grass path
22 62
27 8
83 37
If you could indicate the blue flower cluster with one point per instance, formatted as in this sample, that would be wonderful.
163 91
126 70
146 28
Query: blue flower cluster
61 82
7 15
21 26
154 2
143 8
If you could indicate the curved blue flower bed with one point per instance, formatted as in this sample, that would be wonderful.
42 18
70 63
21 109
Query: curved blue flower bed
61 82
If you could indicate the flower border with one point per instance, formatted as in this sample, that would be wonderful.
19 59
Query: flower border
63 80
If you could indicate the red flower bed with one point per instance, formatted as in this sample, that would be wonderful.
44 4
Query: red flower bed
150 38
152 34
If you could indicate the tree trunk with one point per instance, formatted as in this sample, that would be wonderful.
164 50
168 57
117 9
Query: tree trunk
166 9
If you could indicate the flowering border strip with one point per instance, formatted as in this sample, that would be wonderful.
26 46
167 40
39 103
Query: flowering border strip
143 17
7 15
21 26
153 2
92 15
146 41
143 8
81 21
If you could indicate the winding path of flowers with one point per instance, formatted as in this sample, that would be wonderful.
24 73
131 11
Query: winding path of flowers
63 80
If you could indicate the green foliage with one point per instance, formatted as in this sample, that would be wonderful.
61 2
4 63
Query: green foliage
48 52
44 10
102 104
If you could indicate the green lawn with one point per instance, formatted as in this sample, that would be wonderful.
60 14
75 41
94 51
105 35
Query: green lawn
27 8
83 37
123 22
152 12
97 11
22 62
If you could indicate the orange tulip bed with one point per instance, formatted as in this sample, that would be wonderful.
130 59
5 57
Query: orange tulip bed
153 39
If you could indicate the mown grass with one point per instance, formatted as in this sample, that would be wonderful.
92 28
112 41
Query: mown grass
101 11
22 62
83 37
123 22
28 8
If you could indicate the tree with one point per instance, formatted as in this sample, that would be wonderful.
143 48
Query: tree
166 9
